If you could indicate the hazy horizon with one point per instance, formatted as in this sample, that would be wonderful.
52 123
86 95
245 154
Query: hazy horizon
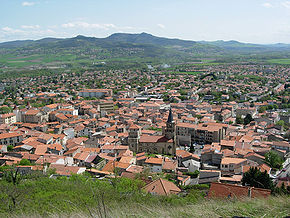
259 22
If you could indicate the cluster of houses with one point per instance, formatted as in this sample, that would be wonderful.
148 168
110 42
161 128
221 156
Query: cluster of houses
125 134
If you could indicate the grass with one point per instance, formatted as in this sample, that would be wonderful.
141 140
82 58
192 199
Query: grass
267 208
279 61
81 196
272 207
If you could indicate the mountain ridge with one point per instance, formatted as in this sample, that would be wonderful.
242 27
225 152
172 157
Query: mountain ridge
120 49
144 36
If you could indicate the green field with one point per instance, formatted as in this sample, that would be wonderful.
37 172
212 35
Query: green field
24 61
46 60
279 61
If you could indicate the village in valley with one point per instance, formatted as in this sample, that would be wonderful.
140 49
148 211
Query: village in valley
195 125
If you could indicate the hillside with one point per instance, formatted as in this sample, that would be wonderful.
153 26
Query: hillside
121 49
80 196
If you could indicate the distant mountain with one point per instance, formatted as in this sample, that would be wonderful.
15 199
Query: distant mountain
15 44
130 48
142 38
145 38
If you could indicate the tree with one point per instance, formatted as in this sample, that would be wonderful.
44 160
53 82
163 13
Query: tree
262 109
5 110
11 175
25 162
274 160
11 194
10 148
248 119
254 177
281 123
270 107
239 120
191 149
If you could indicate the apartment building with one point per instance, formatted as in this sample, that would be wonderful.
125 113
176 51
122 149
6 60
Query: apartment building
204 133
34 116
12 138
97 93
106 106
7 118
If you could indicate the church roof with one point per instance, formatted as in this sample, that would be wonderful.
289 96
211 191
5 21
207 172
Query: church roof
154 139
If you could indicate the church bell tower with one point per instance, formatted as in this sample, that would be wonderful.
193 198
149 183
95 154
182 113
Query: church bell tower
170 127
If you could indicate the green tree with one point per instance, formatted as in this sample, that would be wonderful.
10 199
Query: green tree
254 177
270 107
24 162
248 119
280 123
10 148
239 120
262 109
274 160
5 110
11 175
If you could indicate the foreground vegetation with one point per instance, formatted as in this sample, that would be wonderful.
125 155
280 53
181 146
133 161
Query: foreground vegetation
83 196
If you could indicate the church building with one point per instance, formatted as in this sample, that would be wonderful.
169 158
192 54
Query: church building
163 144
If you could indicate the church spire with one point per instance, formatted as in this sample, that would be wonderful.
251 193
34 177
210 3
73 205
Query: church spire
170 116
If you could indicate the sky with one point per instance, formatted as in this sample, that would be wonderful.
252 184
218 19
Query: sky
253 21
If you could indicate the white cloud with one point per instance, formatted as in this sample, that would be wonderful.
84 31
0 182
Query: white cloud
9 33
8 30
30 26
81 24
28 3
162 26
267 5
286 4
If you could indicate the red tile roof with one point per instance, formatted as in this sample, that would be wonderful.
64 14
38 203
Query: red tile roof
9 135
154 139
222 190
154 160
162 187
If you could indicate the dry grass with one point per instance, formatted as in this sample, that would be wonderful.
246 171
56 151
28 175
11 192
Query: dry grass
271 207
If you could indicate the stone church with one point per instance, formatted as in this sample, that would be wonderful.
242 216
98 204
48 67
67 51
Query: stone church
164 144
